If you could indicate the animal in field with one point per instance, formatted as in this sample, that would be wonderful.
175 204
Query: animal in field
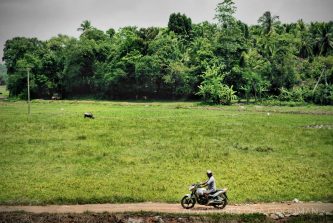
88 115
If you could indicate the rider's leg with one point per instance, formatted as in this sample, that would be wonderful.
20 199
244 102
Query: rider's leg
208 192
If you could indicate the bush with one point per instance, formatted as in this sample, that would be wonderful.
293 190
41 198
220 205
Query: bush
296 95
217 93
323 95
212 90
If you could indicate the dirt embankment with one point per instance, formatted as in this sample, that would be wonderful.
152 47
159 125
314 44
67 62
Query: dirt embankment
14 217
171 212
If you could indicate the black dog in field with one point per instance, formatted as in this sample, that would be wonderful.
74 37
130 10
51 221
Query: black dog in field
88 115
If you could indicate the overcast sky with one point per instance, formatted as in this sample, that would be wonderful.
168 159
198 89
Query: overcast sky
46 18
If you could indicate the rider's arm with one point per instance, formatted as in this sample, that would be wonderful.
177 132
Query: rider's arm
209 181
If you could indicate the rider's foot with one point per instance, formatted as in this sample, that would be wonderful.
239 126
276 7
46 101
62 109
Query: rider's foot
210 202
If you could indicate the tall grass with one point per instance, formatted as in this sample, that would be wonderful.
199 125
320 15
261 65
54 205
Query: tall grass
137 152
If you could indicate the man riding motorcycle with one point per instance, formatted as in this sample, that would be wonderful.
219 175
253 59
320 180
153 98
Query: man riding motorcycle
209 197
210 183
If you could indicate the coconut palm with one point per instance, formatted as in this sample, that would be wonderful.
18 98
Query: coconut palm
85 25
324 38
267 21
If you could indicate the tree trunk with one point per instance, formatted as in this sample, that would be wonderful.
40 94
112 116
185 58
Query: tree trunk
314 89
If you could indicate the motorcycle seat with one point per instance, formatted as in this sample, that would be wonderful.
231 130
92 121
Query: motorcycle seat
224 189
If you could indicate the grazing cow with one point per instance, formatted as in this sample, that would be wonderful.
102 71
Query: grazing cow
88 115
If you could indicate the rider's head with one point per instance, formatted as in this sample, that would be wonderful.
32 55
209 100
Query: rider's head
209 173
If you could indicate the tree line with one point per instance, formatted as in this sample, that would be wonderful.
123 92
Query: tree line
218 62
3 74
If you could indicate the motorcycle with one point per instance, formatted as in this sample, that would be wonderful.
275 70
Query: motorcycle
218 199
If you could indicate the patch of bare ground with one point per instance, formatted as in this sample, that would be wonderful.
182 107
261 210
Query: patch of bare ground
144 212
291 110
264 208
322 126
300 112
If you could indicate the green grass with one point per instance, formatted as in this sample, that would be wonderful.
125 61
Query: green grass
137 152
4 92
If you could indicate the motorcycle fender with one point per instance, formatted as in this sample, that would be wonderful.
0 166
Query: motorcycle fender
188 195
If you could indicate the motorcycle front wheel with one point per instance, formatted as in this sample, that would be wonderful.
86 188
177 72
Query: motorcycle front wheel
187 202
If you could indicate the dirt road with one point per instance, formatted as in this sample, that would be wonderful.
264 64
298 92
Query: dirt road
266 208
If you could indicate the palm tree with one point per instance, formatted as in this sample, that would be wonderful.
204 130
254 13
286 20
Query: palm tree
306 41
301 25
85 25
324 38
305 46
267 21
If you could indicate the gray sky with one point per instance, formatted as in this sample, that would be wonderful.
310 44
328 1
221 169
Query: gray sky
46 18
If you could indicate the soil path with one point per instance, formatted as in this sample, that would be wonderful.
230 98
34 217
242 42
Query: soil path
266 208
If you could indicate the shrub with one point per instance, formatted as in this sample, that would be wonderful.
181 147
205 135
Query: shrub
212 90
296 95
323 95
217 93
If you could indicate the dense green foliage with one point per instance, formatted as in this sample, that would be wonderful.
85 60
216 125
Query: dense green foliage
291 62
153 151
3 74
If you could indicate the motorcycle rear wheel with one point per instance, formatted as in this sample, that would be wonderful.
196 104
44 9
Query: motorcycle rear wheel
223 204
187 202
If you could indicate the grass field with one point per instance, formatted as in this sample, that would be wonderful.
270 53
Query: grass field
3 92
137 152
